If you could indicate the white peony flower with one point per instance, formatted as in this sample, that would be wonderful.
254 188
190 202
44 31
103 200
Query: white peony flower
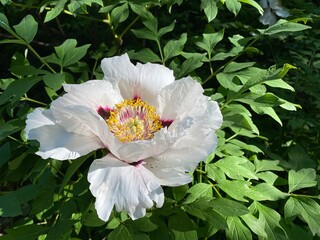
155 128
272 9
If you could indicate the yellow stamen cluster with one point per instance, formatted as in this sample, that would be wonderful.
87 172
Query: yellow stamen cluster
133 120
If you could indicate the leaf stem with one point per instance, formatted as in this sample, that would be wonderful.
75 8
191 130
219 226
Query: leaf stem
26 98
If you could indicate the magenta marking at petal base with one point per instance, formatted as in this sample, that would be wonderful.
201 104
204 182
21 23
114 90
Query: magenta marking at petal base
136 164
166 123
104 112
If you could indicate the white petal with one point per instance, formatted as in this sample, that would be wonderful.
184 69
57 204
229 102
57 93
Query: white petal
122 74
281 12
268 17
195 118
143 81
127 187
55 141
92 94
152 78
167 175
138 150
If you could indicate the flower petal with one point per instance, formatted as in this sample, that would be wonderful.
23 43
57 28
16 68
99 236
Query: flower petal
127 187
143 81
142 149
195 118
93 94
55 141
167 175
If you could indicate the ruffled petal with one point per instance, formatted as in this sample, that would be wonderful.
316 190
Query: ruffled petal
195 119
127 187
142 81
92 94
167 175
55 141
142 149
268 17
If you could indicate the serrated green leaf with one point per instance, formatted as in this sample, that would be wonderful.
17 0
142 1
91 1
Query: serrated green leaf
308 209
27 28
284 26
303 178
237 230
174 47
199 190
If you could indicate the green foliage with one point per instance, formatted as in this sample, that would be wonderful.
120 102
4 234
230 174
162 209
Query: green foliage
262 182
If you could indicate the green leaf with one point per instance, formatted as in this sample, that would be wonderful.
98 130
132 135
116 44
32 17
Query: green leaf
166 29
308 209
203 209
9 205
215 173
254 4
54 80
91 219
299 159
4 23
227 207
26 232
145 55
236 189
143 225
69 54
74 166
27 70
61 230
270 219
254 224
266 165
120 233
233 6
268 192
17 89
161 233
303 178
198 191
5 153
284 26
268 111
11 127
174 47
27 28
119 14
237 230
54 12
233 167
210 40
178 192
279 83
210 9
181 227
188 66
